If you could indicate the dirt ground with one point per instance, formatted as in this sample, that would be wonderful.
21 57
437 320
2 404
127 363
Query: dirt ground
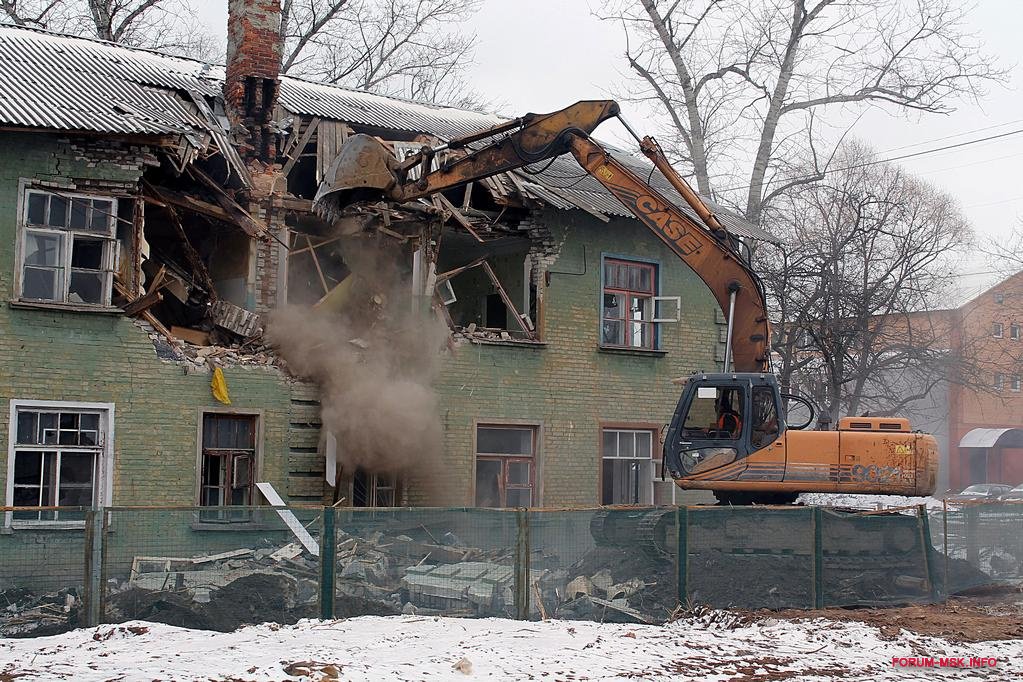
995 614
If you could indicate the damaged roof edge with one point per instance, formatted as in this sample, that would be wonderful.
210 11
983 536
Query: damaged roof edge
66 83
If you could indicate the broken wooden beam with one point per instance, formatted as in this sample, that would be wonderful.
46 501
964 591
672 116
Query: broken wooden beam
142 303
507 300
450 208
296 151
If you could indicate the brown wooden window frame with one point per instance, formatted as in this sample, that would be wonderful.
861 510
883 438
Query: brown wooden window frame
506 460
629 294
229 458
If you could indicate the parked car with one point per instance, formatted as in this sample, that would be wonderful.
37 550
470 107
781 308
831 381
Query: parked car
1014 494
981 491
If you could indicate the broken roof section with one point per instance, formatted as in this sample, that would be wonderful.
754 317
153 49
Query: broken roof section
76 84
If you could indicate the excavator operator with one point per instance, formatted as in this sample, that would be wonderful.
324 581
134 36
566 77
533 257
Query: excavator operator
729 421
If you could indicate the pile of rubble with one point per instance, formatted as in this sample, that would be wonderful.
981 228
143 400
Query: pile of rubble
410 570
25 613
251 352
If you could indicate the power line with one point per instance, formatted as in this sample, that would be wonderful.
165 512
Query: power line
949 137
901 157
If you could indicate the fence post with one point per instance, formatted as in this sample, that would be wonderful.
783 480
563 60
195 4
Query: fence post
522 566
818 558
682 554
93 566
925 545
944 532
328 548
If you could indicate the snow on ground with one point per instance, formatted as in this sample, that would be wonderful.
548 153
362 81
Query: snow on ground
428 648
870 502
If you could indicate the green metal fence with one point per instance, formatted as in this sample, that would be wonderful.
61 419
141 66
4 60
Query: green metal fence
220 568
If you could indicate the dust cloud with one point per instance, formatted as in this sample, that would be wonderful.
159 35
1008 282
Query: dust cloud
374 359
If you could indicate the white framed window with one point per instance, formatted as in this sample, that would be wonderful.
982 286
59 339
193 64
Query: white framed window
628 467
67 248
999 381
999 297
997 330
1014 332
1014 383
60 454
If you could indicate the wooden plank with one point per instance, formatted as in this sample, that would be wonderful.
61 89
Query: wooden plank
304 390
305 462
142 303
306 486
507 300
289 518
196 336
316 262
305 414
457 215
302 142
303 438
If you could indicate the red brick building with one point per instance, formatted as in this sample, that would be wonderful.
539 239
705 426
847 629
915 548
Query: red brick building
986 415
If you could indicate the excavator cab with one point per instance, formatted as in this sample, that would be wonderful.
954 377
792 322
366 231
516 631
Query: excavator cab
720 420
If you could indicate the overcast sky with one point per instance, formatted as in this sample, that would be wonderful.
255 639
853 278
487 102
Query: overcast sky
541 55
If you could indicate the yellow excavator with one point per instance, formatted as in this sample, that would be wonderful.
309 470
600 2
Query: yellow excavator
729 432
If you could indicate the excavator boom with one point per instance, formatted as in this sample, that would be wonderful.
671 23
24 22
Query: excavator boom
364 163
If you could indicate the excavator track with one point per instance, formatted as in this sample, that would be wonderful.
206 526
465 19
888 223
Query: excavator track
853 542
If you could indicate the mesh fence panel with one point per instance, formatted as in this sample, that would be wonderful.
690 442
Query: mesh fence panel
750 557
875 559
451 562
606 565
209 569
220 568
984 544
43 573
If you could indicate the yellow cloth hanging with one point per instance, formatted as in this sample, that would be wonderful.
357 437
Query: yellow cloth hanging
219 385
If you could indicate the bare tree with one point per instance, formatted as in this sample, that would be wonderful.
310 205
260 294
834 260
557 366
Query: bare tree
744 83
858 291
397 47
166 25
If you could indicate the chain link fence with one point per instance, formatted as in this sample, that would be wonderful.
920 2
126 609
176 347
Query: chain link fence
220 568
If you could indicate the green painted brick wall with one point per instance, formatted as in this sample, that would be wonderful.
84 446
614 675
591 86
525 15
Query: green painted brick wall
570 386
56 355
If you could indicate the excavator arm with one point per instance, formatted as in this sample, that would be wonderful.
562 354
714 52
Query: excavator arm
364 164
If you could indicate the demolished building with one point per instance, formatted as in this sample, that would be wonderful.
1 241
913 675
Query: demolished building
157 210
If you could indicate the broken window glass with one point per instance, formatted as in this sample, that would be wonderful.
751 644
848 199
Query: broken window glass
65 266
228 465
58 211
36 209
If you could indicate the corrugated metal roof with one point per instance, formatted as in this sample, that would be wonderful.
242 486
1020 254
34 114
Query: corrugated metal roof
66 83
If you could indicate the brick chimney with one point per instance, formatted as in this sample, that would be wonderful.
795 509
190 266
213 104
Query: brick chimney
254 47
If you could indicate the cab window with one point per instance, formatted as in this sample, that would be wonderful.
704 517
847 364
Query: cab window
765 418
715 412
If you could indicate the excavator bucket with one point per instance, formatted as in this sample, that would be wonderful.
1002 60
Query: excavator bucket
364 167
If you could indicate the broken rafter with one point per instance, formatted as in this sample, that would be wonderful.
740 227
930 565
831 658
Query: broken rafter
507 301
295 151
444 276
447 207
316 262
245 221
311 247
